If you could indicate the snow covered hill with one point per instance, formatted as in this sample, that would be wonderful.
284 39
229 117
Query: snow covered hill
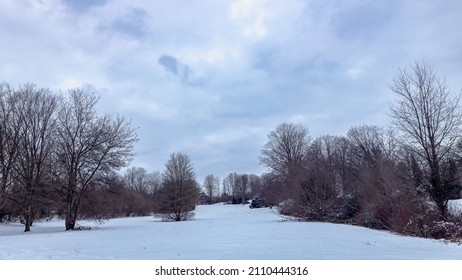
218 232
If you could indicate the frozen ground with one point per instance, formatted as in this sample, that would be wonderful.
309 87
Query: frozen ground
455 206
218 232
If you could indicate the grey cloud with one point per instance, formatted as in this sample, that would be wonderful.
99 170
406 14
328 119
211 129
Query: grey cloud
133 24
363 21
170 63
302 67
180 70
81 6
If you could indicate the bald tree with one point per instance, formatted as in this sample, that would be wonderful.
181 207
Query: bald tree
88 145
428 116
284 154
10 137
211 185
179 193
286 148
36 122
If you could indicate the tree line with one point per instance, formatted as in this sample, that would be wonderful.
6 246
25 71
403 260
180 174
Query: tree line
55 151
399 178
58 156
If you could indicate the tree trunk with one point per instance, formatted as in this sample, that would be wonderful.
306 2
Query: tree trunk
28 219
71 212
442 208
438 193
70 221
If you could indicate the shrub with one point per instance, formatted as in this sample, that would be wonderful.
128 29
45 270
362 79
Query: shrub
170 217
351 206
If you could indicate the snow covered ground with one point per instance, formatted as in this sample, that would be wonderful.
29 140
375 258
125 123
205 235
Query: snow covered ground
218 232
455 206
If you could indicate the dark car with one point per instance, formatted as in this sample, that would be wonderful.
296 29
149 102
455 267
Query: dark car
258 203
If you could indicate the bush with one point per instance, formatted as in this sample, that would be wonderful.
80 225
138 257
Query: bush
417 225
413 218
384 212
258 203
377 215
422 220
287 207
351 206
445 230
175 217
365 219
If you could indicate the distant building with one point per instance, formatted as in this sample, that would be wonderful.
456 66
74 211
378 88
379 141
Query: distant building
204 199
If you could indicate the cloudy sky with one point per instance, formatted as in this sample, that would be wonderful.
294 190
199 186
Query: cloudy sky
211 78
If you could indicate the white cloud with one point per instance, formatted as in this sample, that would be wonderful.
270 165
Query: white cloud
358 67
51 7
251 16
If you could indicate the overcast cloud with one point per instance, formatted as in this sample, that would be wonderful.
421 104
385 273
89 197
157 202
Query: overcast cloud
212 78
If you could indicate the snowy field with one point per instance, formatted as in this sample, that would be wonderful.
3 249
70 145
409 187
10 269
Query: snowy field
218 232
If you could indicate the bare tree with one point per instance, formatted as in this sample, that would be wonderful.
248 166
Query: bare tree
230 184
226 186
270 188
286 148
331 152
136 179
180 192
284 154
321 183
154 182
255 185
10 137
243 187
33 164
374 165
428 116
88 145
370 142
211 185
